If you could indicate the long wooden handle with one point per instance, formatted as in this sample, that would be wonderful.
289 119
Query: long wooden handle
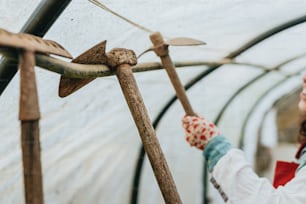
29 116
150 142
161 49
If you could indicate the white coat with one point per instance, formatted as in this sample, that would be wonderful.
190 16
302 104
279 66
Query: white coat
238 184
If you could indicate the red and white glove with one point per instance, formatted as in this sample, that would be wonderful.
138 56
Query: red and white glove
199 131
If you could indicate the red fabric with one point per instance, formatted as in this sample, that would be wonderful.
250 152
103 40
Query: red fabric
284 172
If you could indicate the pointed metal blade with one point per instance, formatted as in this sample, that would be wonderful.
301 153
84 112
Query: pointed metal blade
95 55
183 41
31 42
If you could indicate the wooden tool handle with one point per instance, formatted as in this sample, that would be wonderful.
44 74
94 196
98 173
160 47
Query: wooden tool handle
147 134
29 116
161 49
32 171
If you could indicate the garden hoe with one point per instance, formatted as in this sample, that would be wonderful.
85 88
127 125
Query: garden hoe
120 61
29 113
161 50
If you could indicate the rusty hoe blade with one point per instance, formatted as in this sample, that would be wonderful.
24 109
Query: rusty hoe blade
179 41
161 50
183 41
121 60
29 114
32 43
95 55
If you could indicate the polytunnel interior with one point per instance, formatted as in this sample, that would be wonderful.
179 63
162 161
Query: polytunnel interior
91 153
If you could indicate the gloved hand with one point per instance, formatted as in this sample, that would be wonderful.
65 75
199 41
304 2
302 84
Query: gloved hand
199 131
204 135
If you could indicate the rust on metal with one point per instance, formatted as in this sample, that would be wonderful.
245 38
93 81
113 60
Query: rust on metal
95 55
118 56
29 106
32 43
162 46
184 41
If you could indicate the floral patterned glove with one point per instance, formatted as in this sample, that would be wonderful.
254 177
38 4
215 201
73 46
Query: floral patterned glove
199 131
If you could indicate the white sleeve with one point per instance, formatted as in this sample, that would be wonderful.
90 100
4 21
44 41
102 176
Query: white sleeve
238 183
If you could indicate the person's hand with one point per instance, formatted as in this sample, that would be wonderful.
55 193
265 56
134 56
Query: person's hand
199 131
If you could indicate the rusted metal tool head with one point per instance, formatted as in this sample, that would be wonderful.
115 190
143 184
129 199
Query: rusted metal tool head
119 56
178 41
31 43
95 55
184 41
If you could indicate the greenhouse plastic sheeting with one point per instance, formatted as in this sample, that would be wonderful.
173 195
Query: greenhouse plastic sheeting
89 141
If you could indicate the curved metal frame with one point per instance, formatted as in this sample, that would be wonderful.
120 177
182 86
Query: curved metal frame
253 108
276 68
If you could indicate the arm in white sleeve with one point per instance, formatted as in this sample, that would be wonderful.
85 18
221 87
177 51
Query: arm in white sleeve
238 183
233 176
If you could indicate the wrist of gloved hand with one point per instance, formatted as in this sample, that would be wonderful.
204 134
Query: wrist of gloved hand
215 150
199 131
